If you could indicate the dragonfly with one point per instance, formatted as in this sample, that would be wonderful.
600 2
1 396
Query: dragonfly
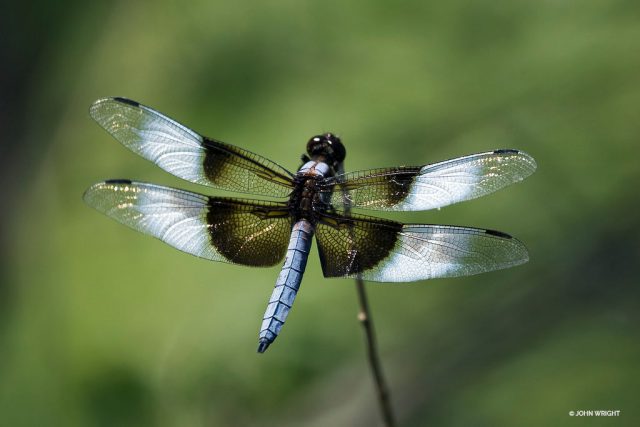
315 201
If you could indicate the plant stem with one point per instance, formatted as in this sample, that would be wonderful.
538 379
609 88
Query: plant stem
364 316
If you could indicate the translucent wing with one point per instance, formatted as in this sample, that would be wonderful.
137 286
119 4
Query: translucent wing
228 230
387 251
186 154
432 186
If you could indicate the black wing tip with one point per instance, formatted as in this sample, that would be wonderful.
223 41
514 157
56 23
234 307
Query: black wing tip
91 191
119 181
498 234
506 151
126 101
263 345
119 99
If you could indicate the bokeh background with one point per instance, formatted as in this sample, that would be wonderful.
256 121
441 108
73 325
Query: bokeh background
101 326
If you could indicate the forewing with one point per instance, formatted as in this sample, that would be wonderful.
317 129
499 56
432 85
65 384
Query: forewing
420 188
220 229
186 154
387 251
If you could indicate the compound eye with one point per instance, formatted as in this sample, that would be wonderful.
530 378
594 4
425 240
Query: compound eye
339 152
315 144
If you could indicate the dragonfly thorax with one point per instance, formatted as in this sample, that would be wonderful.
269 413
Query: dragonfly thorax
305 195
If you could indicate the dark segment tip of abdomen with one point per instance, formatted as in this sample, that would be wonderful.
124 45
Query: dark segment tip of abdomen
263 346
126 101
118 181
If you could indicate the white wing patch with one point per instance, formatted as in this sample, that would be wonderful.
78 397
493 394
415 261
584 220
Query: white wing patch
176 217
466 178
172 146
430 251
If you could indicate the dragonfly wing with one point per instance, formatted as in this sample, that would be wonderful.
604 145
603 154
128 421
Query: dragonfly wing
188 155
236 231
386 251
418 188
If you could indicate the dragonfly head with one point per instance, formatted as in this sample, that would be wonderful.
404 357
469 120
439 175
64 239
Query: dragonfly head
327 148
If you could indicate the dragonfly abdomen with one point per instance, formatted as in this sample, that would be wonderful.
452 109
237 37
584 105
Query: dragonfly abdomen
287 284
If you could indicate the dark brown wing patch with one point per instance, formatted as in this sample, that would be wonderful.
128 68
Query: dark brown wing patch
248 233
379 189
352 245
235 169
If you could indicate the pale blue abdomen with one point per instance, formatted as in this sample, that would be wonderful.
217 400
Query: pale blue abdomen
287 284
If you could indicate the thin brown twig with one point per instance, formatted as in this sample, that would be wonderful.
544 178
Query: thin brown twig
364 316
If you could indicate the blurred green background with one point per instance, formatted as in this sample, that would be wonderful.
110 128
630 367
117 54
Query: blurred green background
102 326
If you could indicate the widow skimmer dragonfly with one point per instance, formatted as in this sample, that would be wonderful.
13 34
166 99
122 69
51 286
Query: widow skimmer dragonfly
317 201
